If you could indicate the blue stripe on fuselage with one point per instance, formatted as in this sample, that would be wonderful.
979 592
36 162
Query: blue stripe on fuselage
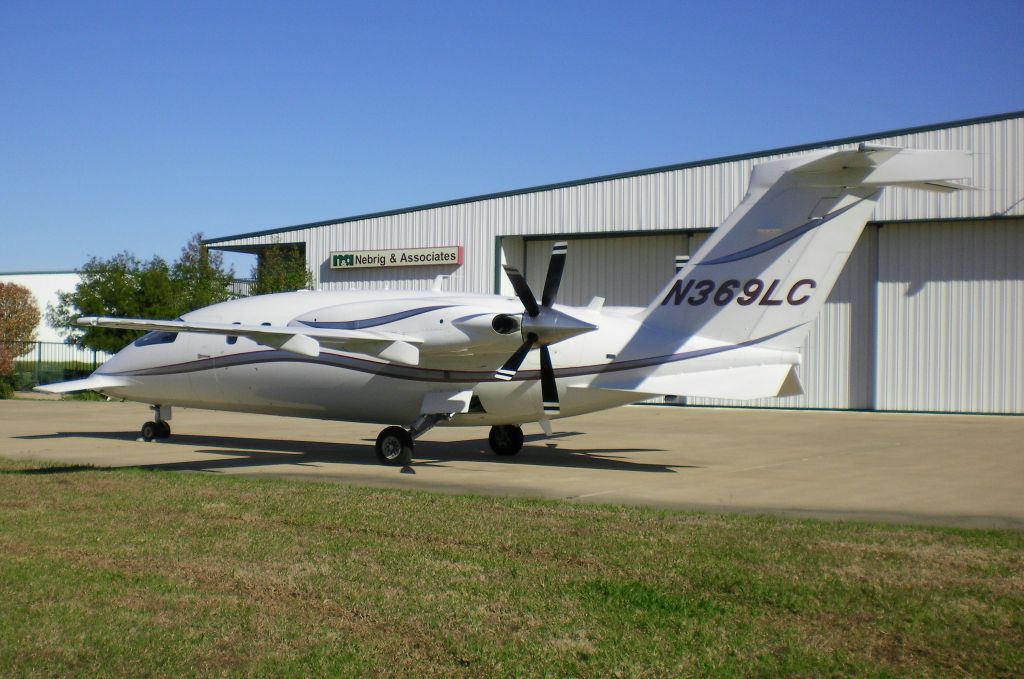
372 322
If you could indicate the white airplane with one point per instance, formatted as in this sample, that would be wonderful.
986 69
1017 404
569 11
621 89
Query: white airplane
729 324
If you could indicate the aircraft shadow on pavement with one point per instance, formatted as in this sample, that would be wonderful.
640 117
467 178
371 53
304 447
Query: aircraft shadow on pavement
259 452
62 469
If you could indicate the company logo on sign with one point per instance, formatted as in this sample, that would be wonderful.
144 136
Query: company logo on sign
362 259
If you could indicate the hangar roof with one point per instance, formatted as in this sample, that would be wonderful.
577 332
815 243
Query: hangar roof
623 175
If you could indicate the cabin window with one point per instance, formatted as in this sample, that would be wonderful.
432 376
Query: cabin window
232 339
156 337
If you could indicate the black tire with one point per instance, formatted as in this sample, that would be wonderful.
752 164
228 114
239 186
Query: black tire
165 430
506 439
150 431
394 447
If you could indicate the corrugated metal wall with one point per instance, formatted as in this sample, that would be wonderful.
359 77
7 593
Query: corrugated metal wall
693 197
840 361
951 317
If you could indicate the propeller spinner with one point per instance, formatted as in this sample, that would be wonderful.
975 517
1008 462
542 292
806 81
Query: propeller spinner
543 326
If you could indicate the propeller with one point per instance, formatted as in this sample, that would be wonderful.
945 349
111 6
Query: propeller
542 326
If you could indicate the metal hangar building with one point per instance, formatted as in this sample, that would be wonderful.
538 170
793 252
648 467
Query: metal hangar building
927 316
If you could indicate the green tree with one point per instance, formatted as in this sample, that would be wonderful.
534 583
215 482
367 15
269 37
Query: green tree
120 286
200 275
19 317
281 268
127 287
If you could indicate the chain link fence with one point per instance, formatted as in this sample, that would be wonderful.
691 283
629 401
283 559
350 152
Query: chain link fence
48 362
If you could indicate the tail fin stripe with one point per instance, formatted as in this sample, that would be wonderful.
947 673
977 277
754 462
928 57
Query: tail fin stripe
778 240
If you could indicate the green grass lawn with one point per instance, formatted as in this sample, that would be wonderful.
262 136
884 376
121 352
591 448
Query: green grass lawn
142 573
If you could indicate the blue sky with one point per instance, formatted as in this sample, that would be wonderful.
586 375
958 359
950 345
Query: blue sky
129 126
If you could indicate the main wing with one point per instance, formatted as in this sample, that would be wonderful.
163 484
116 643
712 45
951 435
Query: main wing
302 340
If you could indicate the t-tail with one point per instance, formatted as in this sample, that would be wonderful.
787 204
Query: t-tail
765 273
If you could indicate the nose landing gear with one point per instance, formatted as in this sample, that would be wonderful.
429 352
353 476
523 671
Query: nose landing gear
159 428
394 446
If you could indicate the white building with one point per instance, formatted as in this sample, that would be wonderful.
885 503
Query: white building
927 316
50 347
44 286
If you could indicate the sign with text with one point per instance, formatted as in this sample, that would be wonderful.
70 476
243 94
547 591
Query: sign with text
362 259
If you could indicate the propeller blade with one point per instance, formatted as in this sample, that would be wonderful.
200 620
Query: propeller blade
554 278
523 291
511 367
548 387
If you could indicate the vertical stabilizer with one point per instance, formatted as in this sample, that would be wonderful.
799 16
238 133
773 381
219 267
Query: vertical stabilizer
767 270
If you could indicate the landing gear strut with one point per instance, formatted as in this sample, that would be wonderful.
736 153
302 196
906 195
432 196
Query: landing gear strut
506 439
160 428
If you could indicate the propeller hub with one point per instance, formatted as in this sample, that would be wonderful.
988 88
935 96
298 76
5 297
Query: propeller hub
550 326
542 325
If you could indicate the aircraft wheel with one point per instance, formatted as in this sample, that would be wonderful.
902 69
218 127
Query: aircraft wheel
506 439
150 431
394 446
165 430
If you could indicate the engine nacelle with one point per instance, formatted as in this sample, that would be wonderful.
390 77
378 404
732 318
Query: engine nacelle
476 331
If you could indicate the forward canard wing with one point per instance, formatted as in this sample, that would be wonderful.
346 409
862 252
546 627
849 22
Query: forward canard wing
92 383
301 340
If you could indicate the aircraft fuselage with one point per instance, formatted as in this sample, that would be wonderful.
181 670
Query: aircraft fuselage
238 374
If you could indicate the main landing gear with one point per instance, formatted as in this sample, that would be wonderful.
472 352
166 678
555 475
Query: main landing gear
506 439
395 444
160 428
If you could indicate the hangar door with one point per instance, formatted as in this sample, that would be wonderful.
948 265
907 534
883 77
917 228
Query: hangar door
625 270
838 363
951 316
926 316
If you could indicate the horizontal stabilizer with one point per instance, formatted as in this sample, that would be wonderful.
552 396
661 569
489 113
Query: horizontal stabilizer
938 186
749 382
885 166
93 382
